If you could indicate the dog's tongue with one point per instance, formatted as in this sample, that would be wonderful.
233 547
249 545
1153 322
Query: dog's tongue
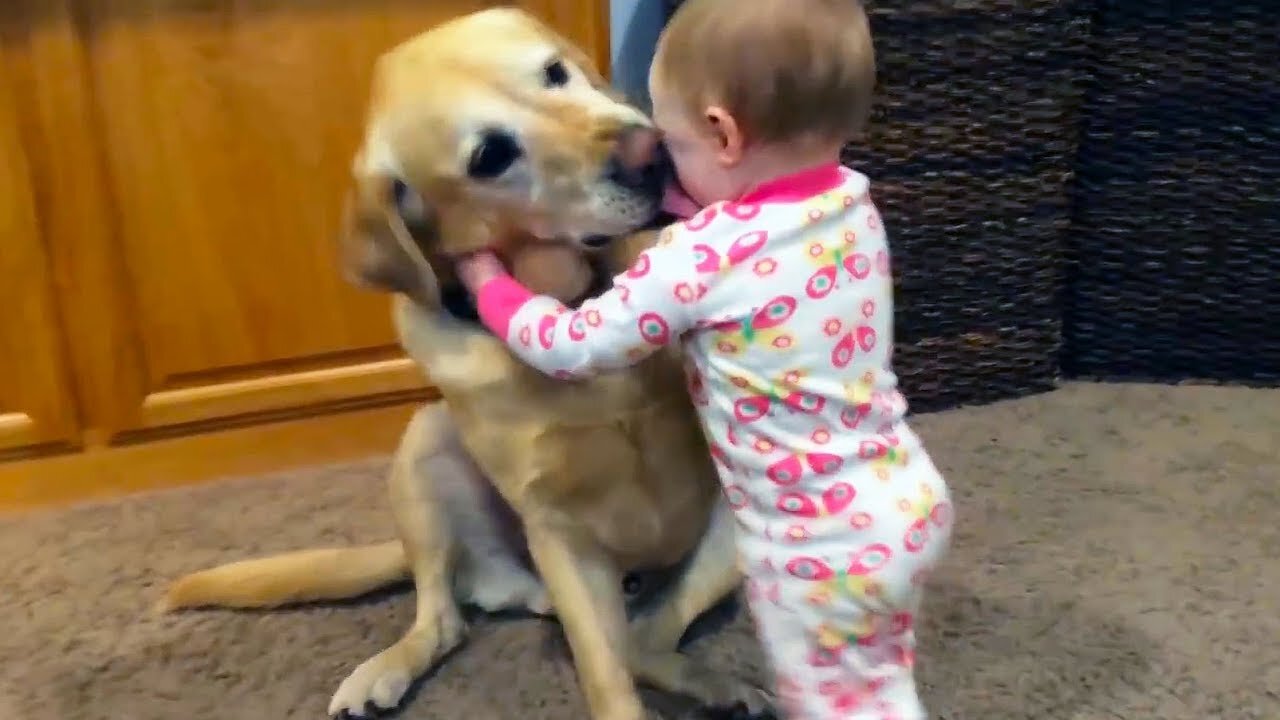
676 202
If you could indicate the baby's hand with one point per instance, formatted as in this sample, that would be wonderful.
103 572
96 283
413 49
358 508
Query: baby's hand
477 268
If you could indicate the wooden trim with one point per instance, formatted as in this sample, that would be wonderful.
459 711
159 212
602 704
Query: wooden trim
104 472
280 391
18 430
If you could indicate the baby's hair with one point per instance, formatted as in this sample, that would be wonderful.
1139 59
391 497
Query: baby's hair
785 69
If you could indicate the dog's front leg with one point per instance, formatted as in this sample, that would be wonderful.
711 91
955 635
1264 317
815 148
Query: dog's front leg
586 592
712 574
427 451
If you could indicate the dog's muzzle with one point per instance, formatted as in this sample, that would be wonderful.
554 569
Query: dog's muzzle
640 162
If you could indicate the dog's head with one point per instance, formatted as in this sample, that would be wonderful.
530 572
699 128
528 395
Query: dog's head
491 130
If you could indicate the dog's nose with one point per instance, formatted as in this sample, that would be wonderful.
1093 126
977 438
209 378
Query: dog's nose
636 147
638 161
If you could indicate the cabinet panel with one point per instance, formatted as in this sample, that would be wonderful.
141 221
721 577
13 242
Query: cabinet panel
36 404
193 158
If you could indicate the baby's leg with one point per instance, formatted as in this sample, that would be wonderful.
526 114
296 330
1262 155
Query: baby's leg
875 679
837 618
849 665
846 640
781 636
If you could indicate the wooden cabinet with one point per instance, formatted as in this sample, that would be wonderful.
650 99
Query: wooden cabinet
170 183
36 405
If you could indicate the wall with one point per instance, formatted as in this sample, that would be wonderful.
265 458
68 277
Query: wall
633 30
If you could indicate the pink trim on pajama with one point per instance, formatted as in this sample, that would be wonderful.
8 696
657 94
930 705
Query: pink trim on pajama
783 301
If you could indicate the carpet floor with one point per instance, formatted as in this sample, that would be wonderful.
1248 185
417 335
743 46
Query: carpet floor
1117 556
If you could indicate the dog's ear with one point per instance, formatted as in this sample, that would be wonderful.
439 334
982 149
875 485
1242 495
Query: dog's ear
378 249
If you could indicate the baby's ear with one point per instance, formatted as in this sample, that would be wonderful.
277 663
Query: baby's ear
560 271
728 133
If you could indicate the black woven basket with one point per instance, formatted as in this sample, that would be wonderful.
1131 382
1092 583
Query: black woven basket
1176 237
970 152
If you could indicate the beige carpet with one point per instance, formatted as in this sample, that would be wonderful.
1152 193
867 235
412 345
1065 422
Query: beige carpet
1117 557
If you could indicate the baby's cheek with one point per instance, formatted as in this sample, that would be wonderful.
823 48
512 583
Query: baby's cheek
691 181
700 191
700 179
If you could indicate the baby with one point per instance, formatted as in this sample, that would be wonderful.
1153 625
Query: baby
779 291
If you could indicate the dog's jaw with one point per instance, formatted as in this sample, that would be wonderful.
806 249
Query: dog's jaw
460 305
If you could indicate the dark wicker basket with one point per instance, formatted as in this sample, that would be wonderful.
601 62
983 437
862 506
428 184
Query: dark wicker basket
1087 183
970 153
1176 237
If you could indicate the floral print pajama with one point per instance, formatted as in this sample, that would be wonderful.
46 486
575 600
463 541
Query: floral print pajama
783 301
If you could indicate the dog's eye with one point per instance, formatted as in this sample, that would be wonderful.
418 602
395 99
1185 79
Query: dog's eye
408 203
555 74
400 193
494 155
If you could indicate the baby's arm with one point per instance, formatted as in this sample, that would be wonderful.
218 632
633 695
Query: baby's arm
649 307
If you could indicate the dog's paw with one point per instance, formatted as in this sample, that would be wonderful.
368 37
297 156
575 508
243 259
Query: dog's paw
374 686
381 682
725 696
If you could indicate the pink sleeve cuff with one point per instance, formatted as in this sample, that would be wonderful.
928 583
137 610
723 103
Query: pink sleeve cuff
498 301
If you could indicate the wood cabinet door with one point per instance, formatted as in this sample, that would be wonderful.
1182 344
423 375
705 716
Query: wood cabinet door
208 145
36 404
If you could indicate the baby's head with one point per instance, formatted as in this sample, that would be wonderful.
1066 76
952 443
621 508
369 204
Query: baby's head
741 88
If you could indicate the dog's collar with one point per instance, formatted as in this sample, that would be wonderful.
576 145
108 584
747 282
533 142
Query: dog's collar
461 305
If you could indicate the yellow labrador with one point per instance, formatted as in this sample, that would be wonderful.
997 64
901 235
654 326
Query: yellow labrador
492 130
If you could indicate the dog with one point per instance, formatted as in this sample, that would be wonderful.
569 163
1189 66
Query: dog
522 147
